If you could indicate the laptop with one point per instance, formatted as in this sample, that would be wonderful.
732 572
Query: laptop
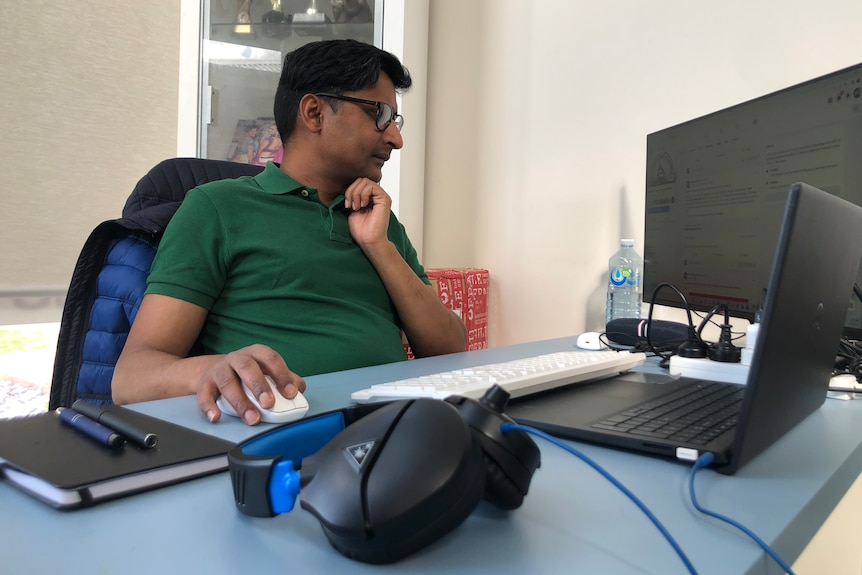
813 273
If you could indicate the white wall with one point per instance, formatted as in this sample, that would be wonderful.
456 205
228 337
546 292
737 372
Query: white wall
538 119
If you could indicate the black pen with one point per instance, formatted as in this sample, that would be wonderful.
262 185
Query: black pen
90 428
125 428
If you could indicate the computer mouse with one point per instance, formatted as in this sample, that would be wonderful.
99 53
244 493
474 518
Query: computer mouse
590 340
284 411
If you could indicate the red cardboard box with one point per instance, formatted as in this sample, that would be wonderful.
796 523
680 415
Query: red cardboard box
464 291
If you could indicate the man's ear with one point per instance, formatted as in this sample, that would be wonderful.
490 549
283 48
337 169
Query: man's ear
311 109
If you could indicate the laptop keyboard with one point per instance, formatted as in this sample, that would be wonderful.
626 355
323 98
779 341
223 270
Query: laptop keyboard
519 377
695 415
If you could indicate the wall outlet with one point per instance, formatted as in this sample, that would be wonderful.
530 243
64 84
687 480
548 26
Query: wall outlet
704 368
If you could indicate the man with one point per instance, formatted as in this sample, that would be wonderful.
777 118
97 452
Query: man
300 270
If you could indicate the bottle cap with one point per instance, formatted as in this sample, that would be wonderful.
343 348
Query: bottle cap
627 242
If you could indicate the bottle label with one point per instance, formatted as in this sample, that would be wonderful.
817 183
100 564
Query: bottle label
619 276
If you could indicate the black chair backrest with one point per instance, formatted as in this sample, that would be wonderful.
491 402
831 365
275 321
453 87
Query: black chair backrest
110 277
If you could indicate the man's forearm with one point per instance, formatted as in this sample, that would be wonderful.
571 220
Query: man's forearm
430 327
145 375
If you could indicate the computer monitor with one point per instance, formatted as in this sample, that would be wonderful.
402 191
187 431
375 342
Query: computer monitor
716 188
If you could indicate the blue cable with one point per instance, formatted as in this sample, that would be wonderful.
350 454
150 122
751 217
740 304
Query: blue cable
506 427
702 462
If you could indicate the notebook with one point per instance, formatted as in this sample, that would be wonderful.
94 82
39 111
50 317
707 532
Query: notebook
813 273
65 469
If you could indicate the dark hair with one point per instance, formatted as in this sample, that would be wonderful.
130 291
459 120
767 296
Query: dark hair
336 66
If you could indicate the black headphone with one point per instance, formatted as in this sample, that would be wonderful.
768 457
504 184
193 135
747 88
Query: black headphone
387 479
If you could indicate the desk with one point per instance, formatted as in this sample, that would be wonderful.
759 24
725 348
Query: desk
572 521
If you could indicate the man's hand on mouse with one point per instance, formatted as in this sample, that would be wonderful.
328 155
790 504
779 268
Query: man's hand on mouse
250 365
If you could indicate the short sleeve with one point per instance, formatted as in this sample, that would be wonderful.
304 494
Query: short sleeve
191 261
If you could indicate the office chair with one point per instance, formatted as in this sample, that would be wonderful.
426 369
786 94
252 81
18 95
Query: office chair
110 277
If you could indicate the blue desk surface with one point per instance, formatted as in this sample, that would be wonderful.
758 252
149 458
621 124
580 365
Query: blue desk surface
572 521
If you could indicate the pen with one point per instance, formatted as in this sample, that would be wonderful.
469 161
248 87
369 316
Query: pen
92 429
125 428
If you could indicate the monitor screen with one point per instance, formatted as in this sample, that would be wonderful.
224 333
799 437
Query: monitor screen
716 188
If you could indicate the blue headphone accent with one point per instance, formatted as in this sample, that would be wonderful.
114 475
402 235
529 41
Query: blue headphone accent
264 468
292 444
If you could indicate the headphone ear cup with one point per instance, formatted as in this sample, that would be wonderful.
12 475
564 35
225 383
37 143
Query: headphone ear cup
418 475
510 459
499 489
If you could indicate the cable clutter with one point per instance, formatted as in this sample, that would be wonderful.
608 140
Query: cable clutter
666 338
848 359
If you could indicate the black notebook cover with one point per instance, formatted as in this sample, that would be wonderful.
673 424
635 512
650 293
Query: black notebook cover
66 469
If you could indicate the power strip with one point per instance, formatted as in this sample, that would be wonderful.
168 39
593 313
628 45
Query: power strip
703 368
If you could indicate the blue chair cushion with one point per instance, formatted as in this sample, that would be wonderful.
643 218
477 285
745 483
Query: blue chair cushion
109 278
120 288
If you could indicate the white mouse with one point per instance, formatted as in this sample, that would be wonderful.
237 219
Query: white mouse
284 411
590 340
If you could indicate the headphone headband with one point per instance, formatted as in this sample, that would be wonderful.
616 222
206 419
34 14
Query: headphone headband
386 479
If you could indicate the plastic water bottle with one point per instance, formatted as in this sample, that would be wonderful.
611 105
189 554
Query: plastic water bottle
624 283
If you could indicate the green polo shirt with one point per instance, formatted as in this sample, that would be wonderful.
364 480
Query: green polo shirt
273 265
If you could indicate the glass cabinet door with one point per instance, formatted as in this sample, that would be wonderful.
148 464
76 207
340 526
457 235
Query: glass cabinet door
243 44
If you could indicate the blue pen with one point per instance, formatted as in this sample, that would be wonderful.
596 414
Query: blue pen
90 428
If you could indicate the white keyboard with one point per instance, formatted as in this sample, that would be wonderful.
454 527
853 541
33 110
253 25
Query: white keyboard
519 377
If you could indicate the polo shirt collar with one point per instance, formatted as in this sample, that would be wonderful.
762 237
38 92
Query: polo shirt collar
273 181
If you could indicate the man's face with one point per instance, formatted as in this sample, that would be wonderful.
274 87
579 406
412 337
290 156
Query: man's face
353 145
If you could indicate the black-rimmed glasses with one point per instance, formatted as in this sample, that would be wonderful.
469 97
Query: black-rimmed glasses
385 113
